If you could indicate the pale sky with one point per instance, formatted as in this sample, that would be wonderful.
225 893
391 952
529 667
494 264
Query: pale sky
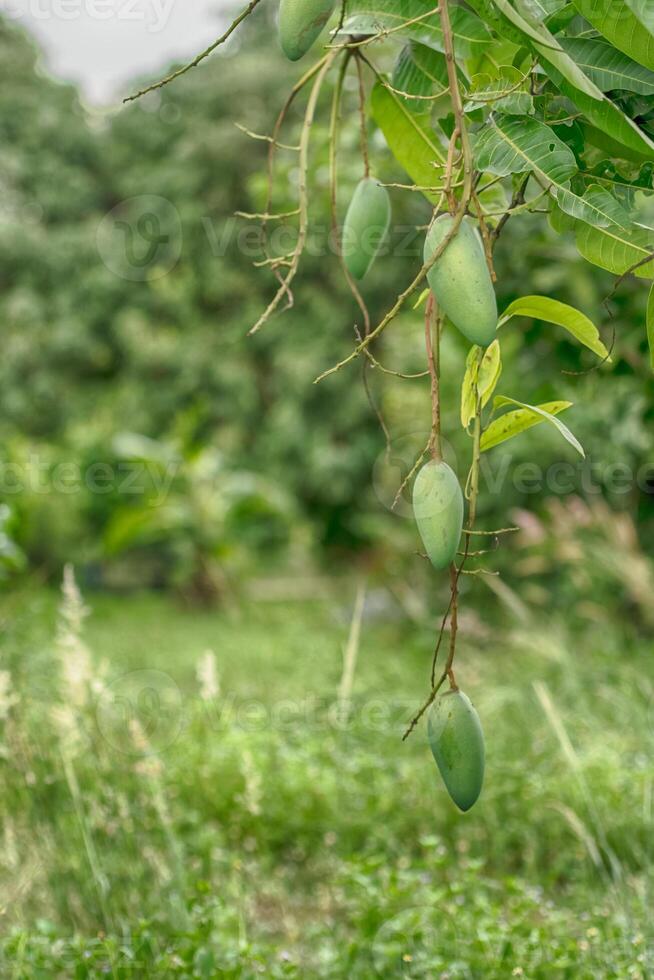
102 44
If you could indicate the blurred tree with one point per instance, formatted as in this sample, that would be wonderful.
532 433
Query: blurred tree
97 343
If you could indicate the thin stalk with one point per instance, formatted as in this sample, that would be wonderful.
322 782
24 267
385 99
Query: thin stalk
432 343
196 61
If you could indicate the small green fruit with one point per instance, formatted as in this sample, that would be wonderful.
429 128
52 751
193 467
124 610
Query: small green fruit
460 280
366 224
300 23
438 510
457 743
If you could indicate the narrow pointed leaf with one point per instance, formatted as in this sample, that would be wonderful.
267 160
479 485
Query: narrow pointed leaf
605 115
539 9
619 25
501 93
570 79
484 375
471 36
420 71
513 144
410 137
539 38
552 311
618 246
514 423
643 10
607 67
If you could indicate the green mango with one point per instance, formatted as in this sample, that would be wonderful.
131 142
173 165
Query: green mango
366 224
456 740
300 23
438 510
460 280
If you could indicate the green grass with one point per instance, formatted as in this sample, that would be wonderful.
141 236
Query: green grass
150 831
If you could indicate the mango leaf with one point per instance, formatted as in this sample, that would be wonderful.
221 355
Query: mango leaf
528 30
552 311
649 318
421 71
605 116
618 246
607 67
470 34
513 423
519 144
596 137
410 137
619 25
571 80
608 173
643 10
501 93
539 9
485 376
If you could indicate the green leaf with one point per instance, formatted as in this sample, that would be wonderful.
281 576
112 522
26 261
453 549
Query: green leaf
618 246
410 137
604 115
596 137
608 172
552 311
501 92
521 144
421 71
619 25
484 375
607 67
514 146
513 423
421 299
539 9
489 372
537 37
649 319
643 10
470 34
571 80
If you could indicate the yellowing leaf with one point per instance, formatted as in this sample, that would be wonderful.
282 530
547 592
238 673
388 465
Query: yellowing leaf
514 423
484 376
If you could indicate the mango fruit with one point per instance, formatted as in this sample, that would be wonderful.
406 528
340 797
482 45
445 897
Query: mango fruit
460 280
365 227
300 23
438 510
456 740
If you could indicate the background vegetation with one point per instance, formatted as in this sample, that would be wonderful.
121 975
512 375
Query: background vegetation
240 824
